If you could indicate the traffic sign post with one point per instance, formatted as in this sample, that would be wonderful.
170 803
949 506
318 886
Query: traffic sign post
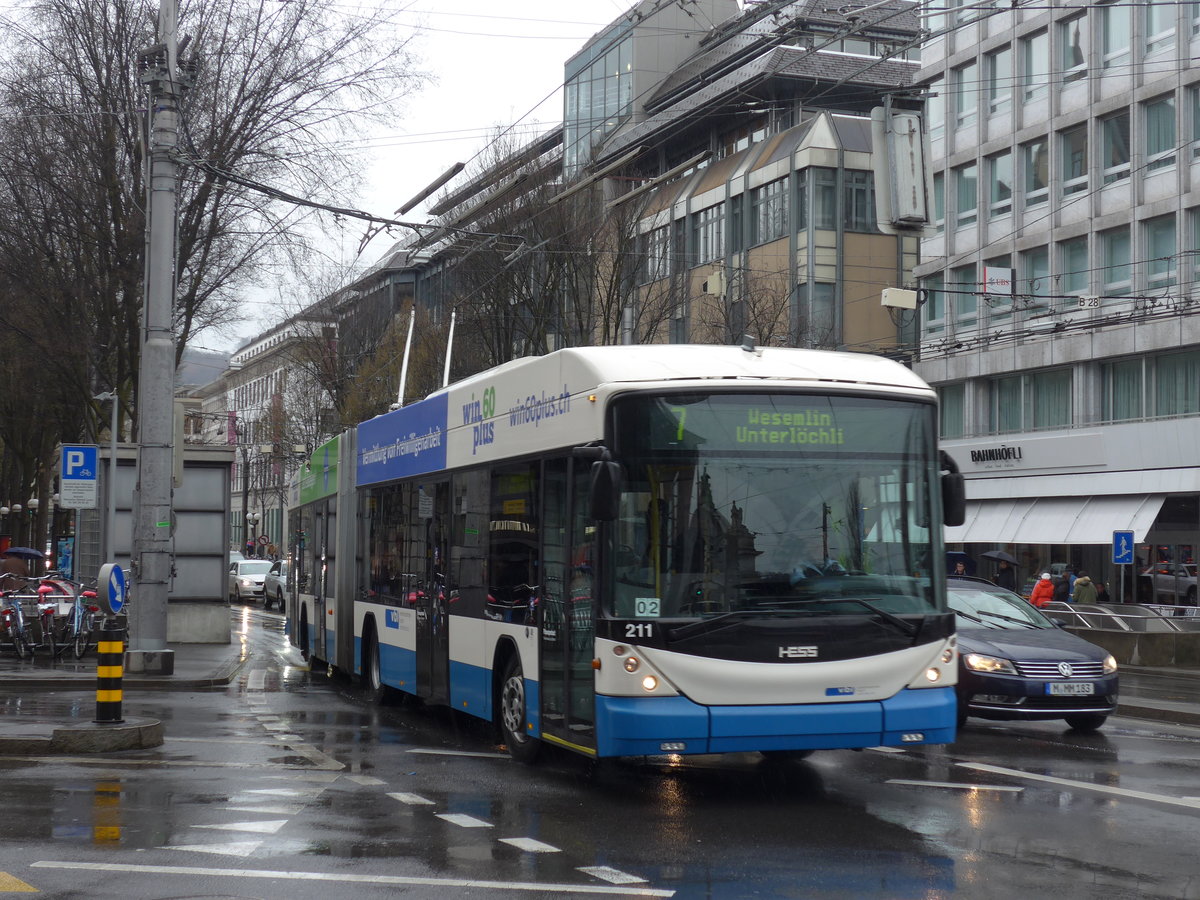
1122 554
78 475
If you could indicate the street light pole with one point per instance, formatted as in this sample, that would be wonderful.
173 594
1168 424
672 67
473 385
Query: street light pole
110 528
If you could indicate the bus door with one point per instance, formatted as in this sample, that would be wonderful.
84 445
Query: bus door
567 608
433 594
320 578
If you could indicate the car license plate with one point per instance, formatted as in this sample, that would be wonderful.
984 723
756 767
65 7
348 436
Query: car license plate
1070 688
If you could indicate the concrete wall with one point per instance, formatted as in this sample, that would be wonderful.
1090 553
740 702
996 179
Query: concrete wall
1133 648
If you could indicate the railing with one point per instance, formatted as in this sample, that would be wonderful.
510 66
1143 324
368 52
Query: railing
1126 616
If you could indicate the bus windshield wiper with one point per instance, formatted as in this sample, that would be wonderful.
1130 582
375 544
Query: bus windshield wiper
706 625
903 624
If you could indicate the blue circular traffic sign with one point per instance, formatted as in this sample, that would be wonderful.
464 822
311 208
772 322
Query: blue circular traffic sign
112 587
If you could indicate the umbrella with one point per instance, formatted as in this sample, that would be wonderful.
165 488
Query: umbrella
998 556
23 551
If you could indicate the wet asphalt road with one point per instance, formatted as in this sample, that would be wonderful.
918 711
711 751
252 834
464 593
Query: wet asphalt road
291 784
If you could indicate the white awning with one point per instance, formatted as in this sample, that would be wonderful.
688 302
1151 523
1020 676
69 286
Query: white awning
1056 520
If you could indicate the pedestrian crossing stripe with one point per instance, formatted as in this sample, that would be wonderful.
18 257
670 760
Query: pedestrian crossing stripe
10 884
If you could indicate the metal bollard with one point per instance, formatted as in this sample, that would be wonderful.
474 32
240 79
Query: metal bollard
110 666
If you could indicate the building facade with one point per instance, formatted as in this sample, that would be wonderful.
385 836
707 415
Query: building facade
1061 283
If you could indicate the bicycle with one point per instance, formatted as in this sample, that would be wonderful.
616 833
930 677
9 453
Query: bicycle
78 630
12 613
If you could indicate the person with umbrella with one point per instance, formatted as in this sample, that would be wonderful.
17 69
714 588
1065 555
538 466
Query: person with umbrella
1006 574
13 567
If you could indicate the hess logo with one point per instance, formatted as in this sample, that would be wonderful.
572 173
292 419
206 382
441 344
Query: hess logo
797 652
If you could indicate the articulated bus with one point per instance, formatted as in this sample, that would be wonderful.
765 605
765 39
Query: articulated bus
645 550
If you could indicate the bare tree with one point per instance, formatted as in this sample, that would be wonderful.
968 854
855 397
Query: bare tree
279 89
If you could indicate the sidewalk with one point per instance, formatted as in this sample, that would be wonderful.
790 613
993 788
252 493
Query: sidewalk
36 719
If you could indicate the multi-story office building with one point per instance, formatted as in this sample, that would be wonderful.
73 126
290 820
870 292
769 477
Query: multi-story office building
1060 320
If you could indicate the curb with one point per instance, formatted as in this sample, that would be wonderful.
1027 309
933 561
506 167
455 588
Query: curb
1158 714
86 737
220 678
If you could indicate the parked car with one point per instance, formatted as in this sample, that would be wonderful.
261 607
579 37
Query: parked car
275 584
1015 663
1167 582
246 579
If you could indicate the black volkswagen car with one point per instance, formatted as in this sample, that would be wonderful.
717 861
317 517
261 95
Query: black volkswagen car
1014 663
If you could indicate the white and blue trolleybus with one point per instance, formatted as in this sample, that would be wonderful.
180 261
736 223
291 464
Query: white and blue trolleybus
645 550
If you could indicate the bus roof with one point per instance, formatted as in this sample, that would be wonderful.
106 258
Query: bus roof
669 362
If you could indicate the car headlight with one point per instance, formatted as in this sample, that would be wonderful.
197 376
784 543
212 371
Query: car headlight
977 662
1110 664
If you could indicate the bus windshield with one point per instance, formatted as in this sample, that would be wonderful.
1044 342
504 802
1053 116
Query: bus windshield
774 502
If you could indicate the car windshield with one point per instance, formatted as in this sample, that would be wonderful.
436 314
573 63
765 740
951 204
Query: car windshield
254 568
981 606
761 503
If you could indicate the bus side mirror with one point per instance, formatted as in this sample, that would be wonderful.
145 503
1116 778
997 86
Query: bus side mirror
605 496
954 492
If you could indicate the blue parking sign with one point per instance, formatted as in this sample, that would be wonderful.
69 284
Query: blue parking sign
1122 548
78 473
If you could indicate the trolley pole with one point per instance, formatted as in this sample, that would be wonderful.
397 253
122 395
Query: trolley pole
153 513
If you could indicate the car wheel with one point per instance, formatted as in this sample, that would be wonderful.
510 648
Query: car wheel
521 746
1086 722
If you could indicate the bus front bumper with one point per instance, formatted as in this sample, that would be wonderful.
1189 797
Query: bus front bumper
652 726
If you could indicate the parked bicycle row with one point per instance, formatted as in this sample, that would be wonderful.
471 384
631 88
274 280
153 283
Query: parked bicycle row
50 614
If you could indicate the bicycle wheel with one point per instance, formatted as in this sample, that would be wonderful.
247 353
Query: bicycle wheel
21 643
82 638
49 639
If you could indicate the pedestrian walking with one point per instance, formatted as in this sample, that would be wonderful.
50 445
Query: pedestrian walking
1062 588
1006 576
1085 591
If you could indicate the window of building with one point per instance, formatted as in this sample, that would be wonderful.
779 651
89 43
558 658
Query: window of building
1160 252
1160 133
1116 262
824 191
1194 93
657 244
952 404
1177 384
1160 26
1072 43
966 194
1035 65
933 311
708 234
964 287
1115 33
998 287
1000 175
1048 395
1122 390
999 78
1005 408
966 94
817 303
1035 277
1192 242
939 201
801 205
1074 160
737 222
1073 266
680 259
859 188
1114 149
935 107
1035 165
769 211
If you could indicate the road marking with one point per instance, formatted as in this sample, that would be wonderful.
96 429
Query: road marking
270 810
307 793
352 878
953 784
611 875
531 845
237 848
411 799
463 821
9 884
254 827
888 749
477 755
364 780
257 680
1085 786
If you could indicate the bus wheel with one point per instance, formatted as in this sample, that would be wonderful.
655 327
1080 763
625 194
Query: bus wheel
372 673
521 746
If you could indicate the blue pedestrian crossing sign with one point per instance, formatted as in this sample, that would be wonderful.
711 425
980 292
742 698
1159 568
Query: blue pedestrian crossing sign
78 475
1122 548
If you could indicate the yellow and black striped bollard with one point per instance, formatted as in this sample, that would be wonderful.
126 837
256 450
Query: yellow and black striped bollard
110 666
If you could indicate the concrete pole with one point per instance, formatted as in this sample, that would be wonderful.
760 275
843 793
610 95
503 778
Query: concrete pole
151 561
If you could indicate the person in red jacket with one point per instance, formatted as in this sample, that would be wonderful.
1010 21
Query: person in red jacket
1043 591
